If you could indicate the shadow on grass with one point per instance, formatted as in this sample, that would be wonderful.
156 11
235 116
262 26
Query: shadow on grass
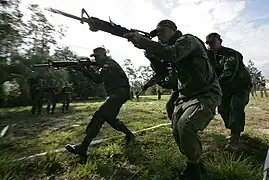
248 147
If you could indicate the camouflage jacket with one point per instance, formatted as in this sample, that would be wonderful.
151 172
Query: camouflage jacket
233 74
195 75
112 75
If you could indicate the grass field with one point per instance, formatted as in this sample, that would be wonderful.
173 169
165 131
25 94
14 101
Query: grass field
153 156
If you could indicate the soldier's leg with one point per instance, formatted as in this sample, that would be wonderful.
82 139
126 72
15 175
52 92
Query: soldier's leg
261 92
189 118
53 106
92 130
110 111
63 103
224 110
170 105
237 117
265 92
39 105
34 105
48 106
67 104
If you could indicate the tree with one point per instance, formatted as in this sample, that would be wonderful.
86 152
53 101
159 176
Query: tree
254 72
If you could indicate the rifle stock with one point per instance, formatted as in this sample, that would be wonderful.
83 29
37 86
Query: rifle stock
96 24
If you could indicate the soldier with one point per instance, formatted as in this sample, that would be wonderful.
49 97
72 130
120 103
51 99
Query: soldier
235 81
159 94
263 88
137 95
118 90
254 88
66 97
198 87
36 94
51 97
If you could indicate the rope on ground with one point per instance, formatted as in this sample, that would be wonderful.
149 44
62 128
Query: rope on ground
92 143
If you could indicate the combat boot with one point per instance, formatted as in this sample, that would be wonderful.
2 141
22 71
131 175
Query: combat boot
80 149
192 172
233 141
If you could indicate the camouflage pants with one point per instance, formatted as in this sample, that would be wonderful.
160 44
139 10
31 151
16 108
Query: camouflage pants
188 118
232 110
108 112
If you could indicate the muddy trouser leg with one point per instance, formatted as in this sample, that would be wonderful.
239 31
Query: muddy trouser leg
189 118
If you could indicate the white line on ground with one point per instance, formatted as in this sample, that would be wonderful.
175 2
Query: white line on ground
92 143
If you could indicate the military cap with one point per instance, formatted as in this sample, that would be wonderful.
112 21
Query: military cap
163 23
97 49
212 36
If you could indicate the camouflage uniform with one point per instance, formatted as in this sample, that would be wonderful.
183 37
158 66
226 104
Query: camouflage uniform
235 81
66 97
199 92
118 90
36 94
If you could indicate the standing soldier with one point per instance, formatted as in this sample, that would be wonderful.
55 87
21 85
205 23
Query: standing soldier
66 97
254 87
36 94
263 88
235 81
118 90
51 97
198 87
159 93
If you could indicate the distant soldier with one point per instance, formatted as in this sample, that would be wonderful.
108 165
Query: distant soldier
118 90
51 92
254 87
263 88
66 97
159 93
36 94
137 95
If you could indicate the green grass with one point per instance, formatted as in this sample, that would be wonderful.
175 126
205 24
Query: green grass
154 155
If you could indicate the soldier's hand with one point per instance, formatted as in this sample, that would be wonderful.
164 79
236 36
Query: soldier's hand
134 37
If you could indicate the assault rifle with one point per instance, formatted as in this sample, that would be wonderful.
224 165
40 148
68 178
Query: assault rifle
63 64
96 24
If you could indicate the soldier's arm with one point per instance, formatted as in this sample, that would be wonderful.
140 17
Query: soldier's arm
230 68
172 53
97 78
